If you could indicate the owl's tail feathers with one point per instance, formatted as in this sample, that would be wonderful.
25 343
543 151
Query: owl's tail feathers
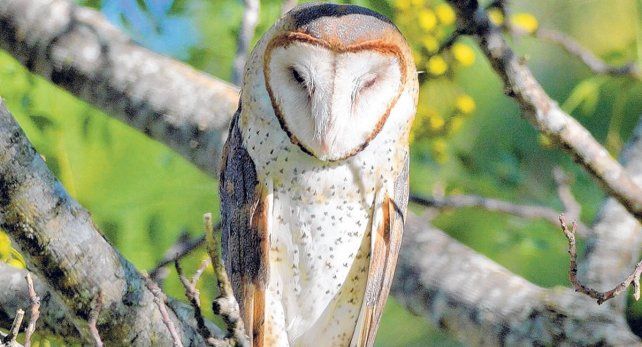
253 313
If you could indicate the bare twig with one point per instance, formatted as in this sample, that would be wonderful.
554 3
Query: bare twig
193 296
10 338
160 300
287 5
544 113
225 305
183 246
594 63
462 201
246 33
97 305
35 310
197 275
572 208
633 279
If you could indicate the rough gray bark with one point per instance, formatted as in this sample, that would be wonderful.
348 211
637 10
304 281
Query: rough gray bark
15 296
77 49
63 246
482 303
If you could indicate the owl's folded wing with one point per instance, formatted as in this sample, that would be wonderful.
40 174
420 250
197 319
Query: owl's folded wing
387 229
244 232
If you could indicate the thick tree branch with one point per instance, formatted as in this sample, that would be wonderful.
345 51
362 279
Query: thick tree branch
543 112
62 245
77 49
483 303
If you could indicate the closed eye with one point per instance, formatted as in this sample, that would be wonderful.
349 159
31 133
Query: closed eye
369 82
297 76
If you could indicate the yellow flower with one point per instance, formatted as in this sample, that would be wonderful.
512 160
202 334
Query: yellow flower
465 104
463 54
427 19
525 21
436 122
445 14
430 43
437 65
496 16
402 4
416 3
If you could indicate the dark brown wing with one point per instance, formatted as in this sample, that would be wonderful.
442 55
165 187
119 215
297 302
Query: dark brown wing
386 240
244 231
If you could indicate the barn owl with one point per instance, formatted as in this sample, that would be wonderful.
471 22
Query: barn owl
314 177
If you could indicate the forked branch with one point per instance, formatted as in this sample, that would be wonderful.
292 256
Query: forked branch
633 279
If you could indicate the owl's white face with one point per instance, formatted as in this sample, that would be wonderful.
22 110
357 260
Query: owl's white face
332 101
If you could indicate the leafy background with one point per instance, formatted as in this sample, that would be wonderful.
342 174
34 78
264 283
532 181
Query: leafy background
468 138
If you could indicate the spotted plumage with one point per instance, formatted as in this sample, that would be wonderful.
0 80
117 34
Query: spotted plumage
315 176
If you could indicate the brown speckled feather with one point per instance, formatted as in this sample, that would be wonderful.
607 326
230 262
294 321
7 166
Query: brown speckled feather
383 258
244 232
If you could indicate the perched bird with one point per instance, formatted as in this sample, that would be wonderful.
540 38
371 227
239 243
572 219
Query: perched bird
314 183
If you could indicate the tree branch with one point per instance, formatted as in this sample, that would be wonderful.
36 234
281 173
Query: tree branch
53 319
61 243
34 310
593 62
544 113
523 211
80 51
632 280
244 40
9 340
614 245
482 303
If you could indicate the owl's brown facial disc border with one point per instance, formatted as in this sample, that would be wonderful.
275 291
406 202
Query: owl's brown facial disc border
380 46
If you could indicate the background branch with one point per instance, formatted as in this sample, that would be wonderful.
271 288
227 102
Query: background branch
482 303
244 40
543 112
80 51
593 62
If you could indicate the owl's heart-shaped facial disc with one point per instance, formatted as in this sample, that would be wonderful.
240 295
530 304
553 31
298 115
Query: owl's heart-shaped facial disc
330 99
